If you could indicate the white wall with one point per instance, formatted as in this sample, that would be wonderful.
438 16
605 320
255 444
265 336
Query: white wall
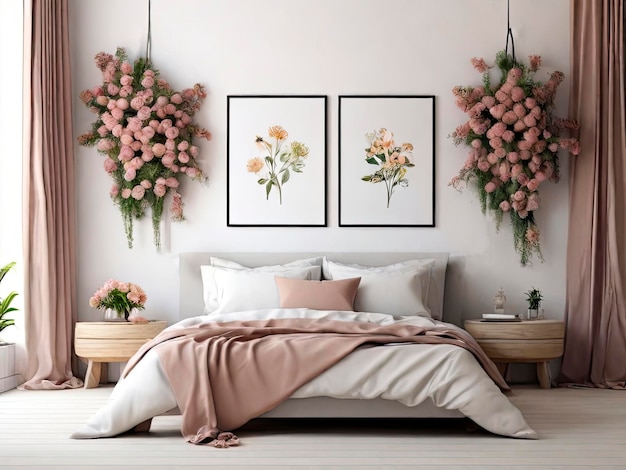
318 47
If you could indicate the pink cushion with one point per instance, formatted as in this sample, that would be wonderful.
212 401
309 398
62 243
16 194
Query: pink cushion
317 295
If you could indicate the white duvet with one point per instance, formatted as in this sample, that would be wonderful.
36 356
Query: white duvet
408 373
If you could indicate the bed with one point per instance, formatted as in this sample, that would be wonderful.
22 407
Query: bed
394 379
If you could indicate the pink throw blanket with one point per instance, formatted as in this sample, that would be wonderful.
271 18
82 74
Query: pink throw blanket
225 374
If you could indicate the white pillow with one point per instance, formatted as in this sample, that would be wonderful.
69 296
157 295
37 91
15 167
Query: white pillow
429 263
312 267
239 290
399 289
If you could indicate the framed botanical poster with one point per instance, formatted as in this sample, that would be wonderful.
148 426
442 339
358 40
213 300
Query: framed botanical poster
276 152
387 161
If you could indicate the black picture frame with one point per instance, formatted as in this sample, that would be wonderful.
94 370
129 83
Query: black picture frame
386 168
284 137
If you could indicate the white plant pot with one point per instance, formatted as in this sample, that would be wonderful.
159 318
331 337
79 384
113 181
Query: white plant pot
8 379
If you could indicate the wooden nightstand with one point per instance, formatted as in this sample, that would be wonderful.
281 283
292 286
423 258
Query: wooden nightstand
537 341
99 343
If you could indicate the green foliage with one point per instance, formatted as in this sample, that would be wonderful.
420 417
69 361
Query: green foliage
5 304
534 298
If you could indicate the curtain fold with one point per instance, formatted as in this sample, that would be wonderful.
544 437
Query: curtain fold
595 344
49 198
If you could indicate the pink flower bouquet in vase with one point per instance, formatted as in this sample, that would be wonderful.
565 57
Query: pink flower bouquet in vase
119 300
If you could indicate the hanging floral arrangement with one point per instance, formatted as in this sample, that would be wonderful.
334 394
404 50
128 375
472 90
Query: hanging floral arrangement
514 140
145 130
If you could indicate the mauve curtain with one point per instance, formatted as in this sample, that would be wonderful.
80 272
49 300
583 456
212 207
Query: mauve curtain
49 198
595 341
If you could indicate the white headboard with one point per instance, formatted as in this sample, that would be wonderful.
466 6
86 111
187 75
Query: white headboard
191 298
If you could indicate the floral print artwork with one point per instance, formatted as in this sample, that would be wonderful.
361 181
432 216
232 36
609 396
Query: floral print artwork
279 159
392 160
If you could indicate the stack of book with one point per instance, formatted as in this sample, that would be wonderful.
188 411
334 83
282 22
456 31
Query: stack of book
501 317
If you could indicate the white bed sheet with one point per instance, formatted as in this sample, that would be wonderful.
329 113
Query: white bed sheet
448 375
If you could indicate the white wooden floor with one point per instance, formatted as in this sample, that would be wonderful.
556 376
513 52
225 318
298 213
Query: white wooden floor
579 428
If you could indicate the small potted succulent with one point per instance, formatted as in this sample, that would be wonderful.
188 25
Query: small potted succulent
5 303
534 298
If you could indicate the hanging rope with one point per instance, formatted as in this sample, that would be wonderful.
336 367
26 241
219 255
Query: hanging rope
509 32
149 40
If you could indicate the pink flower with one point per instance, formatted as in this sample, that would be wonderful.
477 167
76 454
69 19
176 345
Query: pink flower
514 75
500 152
519 196
109 165
525 154
125 91
115 190
158 149
147 82
519 126
508 136
126 139
137 102
535 62
509 117
505 206
497 111
112 89
102 100
146 184
126 193
553 147
483 165
532 185
143 113
480 65
519 110
516 170
183 157
176 98
126 80
517 94
130 174
501 96
192 172
490 187
170 144
161 101
138 192
193 150
176 210
147 156
102 131
499 128
522 179
496 142
160 190
126 68
117 114
171 182
530 121
513 157
171 133
492 158
532 235
533 202
488 101
105 145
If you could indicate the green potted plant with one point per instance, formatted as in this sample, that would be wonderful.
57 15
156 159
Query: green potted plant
534 298
5 303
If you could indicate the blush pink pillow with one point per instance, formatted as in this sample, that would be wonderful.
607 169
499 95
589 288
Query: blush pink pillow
317 295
